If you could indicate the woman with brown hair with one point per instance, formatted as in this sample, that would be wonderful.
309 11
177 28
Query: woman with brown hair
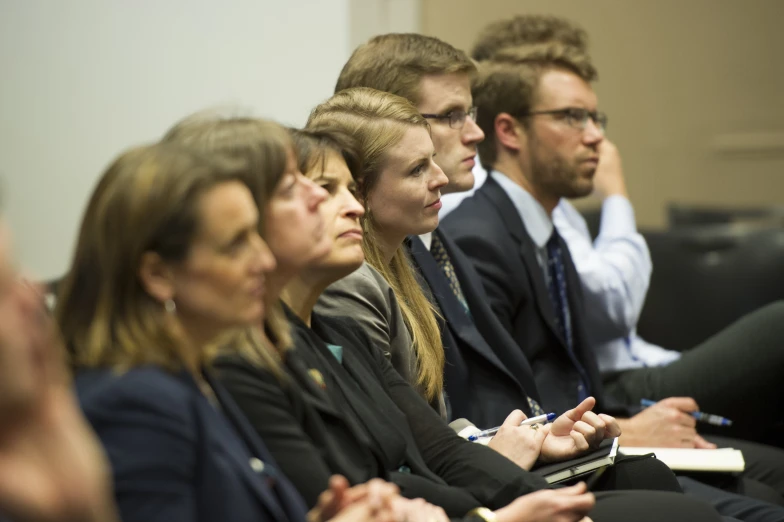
168 261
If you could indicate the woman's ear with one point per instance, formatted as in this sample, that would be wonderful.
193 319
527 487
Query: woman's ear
509 132
156 277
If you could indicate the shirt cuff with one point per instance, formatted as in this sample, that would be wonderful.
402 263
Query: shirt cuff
617 217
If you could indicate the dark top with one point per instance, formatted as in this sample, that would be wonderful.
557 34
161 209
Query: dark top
175 457
490 231
365 422
486 375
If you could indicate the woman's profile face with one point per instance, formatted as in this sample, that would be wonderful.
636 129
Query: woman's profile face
221 282
294 227
406 198
341 213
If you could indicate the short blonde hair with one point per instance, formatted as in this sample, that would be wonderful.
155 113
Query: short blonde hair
397 62
263 146
146 201
378 120
508 84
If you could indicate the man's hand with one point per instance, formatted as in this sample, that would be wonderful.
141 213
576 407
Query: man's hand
608 179
577 431
520 444
666 424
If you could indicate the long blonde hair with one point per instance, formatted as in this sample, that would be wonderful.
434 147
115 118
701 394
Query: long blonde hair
378 120
263 146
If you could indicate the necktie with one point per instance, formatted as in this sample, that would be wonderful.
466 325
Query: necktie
556 286
442 258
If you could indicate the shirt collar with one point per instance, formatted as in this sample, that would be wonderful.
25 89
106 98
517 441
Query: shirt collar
427 239
537 222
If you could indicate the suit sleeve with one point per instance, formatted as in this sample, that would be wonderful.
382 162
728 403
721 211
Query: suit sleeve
369 301
269 410
488 476
151 444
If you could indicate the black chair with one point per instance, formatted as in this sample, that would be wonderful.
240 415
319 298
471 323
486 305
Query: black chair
704 278
680 215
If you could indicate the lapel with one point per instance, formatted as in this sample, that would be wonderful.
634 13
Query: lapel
241 455
321 330
455 317
313 394
508 212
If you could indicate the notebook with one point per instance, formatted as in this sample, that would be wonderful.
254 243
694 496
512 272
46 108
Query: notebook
556 472
723 460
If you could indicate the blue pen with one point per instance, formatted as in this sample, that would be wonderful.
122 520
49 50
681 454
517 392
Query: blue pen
541 419
699 415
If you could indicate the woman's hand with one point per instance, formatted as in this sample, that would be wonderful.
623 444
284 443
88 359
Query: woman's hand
373 499
550 505
520 444
577 431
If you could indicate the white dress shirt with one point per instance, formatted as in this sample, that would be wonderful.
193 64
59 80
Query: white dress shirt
615 271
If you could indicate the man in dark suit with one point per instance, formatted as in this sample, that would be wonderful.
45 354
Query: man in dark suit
539 111
482 383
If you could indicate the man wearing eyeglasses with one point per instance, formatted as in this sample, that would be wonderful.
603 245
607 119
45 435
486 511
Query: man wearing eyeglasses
436 77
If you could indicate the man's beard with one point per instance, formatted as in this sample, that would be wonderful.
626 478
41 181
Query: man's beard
556 177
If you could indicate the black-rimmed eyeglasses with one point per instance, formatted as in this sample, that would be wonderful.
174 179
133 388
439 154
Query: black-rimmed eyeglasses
576 117
456 118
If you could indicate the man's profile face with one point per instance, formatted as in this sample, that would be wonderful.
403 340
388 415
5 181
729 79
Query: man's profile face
562 157
455 148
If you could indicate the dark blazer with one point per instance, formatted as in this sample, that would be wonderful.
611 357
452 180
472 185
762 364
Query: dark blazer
486 374
489 230
369 413
176 457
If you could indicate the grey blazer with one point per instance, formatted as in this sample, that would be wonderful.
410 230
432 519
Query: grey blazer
367 298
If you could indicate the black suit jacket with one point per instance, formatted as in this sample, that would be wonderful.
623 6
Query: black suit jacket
489 230
371 415
486 376
174 457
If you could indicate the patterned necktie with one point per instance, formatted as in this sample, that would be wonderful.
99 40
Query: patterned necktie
556 286
442 258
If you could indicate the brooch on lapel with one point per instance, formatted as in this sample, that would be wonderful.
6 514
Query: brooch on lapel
317 378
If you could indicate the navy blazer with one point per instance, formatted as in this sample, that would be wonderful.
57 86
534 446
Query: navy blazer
486 376
176 457
490 231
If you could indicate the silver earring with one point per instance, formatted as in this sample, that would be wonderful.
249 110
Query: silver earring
170 306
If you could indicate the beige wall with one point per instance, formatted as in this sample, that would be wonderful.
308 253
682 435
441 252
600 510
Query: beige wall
694 90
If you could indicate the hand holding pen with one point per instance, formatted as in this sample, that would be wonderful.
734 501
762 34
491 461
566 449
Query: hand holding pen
541 419
701 416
